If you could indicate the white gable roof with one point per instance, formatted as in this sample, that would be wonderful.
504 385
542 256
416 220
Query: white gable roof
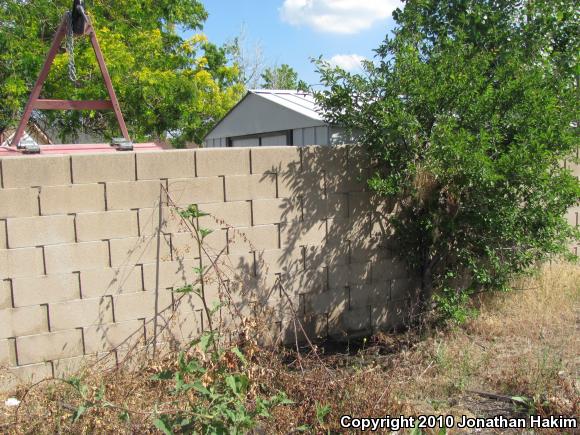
298 101
265 110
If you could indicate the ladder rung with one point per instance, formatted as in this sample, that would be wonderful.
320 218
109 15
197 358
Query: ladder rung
72 105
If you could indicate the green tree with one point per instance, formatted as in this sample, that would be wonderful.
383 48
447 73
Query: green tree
282 77
169 87
469 111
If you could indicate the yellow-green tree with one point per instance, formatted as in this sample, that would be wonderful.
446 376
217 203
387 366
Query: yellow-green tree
169 87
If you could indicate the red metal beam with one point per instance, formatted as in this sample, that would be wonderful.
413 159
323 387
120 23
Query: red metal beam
60 34
72 105
107 80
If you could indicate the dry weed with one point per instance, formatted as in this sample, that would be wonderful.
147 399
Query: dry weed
523 343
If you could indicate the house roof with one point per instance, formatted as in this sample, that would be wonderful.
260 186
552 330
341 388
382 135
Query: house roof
298 101
302 104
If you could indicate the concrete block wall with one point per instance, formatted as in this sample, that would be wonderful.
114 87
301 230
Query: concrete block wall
293 235
292 230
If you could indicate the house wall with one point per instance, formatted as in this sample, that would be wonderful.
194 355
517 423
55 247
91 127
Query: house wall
305 136
295 234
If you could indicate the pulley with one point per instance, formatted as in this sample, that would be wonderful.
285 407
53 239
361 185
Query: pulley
78 17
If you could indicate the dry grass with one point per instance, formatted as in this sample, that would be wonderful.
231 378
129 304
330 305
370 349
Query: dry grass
523 343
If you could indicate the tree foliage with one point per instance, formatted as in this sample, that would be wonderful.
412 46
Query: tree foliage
469 112
168 86
282 77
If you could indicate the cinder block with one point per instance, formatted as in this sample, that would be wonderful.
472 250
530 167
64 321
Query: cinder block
249 239
171 221
356 229
185 245
295 234
345 182
188 191
106 225
328 254
141 305
76 257
45 347
37 171
21 262
363 203
273 211
227 161
166 164
26 375
229 214
99 168
308 281
351 274
7 353
356 320
316 159
5 294
86 312
111 281
45 289
18 203
333 303
276 159
40 231
103 338
244 187
264 290
236 268
364 295
67 367
185 327
172 274
367 249
129 195
279 261
393 316
292 185
333 206
139 250
15 322
77 198
387 269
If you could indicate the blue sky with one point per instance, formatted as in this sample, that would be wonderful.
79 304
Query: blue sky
292 31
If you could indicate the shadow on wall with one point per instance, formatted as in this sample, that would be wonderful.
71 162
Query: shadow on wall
333 274
303 249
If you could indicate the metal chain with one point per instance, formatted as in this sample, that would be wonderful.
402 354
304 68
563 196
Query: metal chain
70 48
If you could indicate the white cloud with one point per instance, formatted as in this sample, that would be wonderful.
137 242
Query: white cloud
337 16
349 62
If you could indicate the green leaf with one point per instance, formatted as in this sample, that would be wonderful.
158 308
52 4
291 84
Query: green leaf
199 387
162 376
184 290
322 412
204 232
240 355
206 340
78 413
163 426
124 417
